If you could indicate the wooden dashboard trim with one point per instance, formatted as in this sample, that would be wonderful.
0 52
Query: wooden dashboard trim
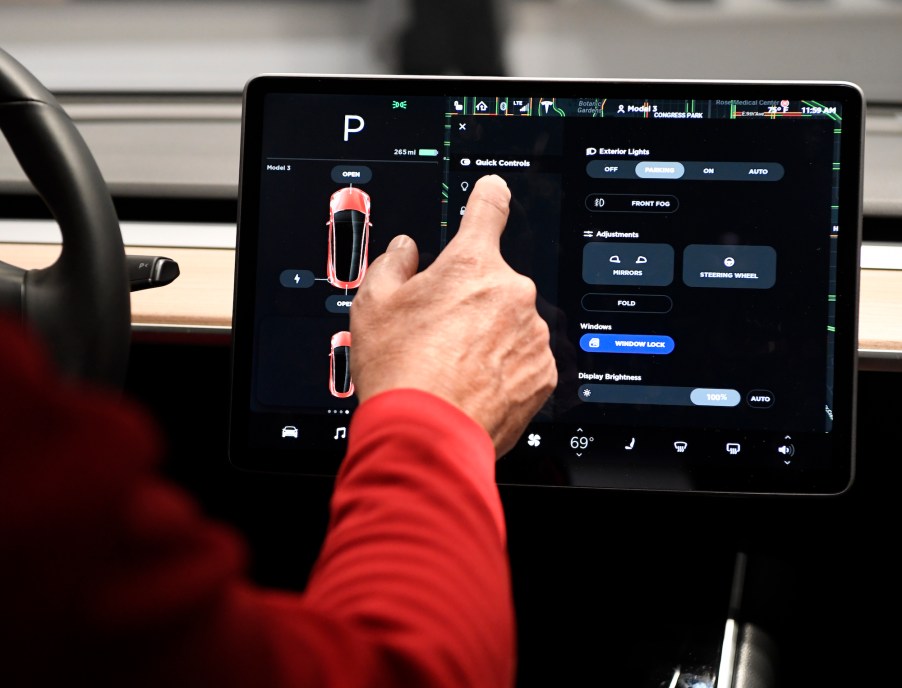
199 302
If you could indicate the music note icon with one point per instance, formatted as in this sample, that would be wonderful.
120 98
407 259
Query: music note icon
340 433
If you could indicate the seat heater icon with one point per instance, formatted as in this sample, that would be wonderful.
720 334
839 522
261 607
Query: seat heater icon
340 384
349 237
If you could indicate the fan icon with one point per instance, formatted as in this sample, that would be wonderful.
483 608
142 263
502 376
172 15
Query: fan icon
534 440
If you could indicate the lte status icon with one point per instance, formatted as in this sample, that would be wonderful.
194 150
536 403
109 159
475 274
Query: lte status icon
519 106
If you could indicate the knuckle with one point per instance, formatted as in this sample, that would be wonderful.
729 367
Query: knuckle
523 287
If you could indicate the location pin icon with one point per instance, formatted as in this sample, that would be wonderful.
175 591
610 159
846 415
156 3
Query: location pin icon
464 186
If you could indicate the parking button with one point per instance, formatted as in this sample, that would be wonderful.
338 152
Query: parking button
660 170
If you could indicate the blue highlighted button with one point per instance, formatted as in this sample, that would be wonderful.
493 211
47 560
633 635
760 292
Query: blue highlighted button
626 343
704 396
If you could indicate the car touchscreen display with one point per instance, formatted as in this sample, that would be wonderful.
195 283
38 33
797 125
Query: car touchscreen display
694 247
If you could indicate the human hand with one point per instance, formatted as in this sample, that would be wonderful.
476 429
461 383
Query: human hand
465 329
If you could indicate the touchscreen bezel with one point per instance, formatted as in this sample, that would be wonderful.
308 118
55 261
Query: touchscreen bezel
829 476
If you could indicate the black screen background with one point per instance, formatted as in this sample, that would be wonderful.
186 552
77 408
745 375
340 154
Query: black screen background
773 339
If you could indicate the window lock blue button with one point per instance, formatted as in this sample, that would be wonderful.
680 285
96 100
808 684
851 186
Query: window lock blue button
626 343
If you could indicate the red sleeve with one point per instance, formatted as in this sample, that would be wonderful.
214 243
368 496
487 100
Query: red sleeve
111 576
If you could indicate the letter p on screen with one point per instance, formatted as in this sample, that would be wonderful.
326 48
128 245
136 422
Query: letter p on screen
353 125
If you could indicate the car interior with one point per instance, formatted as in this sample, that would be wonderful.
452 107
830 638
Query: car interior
707 194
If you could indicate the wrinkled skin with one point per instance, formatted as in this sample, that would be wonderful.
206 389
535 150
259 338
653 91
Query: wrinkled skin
465 329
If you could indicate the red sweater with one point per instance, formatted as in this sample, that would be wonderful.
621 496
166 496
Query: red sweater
109 576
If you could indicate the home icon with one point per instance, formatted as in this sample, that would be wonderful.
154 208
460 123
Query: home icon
481 106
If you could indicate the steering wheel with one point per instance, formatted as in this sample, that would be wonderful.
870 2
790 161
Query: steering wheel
80 305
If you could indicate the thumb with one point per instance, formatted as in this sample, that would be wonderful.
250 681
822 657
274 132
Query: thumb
392 269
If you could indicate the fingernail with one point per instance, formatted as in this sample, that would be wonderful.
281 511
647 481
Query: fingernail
399 241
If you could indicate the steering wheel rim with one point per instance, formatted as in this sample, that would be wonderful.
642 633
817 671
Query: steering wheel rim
80 305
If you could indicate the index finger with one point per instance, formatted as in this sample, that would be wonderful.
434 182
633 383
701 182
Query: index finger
486 215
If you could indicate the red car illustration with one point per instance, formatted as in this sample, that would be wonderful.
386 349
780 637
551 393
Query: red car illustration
340 384
349 236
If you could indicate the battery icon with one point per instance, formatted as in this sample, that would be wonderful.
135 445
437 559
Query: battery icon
428 152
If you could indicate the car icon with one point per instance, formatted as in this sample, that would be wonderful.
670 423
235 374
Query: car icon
340 384
349 236
290 431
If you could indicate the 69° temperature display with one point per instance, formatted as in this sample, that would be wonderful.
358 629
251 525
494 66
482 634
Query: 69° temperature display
580 442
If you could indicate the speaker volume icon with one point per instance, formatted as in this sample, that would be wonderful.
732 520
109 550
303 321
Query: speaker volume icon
787 449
